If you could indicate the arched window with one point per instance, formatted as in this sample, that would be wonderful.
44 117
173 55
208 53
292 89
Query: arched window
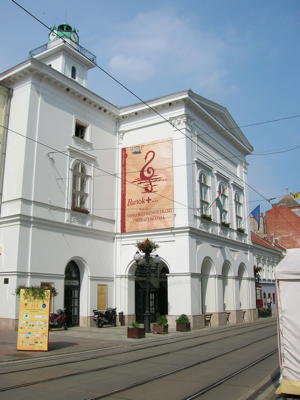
73 72
79 188
222 192
238 210
204 190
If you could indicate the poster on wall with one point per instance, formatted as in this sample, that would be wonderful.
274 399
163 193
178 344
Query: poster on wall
147 186
33 329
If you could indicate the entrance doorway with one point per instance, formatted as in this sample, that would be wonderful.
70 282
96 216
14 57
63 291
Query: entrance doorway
72 293
158 294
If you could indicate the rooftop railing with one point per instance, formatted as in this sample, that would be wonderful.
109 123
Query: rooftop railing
90 56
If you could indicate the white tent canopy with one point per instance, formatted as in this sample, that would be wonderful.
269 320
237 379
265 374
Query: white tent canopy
288 298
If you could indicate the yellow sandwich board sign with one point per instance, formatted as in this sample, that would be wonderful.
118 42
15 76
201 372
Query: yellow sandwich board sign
33 329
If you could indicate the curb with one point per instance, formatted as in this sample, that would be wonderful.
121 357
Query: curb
264 385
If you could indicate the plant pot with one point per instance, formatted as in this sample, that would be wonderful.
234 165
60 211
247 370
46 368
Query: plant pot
206 217
160 329
183 327
135 333
225 224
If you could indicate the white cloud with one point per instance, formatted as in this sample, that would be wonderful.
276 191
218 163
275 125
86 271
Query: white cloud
161 44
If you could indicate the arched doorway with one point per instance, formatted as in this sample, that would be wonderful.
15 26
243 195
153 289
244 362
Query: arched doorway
72 293
158 293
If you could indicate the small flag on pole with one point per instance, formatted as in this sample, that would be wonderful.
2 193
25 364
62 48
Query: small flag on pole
219 204
255 213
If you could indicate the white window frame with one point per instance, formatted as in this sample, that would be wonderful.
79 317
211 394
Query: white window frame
238 203
79 187
204 193
224 200
83 127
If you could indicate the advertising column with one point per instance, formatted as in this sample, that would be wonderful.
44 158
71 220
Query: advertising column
33 329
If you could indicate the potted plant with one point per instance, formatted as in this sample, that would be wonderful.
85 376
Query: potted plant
161 325
135 331
241 230
147 246
206 217
36 292
264 312
183 323
225 224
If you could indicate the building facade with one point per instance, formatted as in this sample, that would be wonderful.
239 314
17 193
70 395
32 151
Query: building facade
282 222
84 180
266 257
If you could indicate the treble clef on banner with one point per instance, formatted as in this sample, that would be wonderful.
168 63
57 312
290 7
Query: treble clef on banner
146 173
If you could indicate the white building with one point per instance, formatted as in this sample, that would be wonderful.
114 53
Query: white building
266 257
65 210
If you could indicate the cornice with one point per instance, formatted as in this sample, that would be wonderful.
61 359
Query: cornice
218 126
266 249
82 153
30 221
33 67
195 232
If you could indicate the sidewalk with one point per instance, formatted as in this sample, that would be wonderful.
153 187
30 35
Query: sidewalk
76 339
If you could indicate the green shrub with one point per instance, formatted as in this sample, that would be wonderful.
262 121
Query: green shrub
183 319
264 312
162 320
35 292
135 325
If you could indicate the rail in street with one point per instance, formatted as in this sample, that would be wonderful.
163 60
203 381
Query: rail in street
192 366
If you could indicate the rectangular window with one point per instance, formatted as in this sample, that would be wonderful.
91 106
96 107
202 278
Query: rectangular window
79 188
204 189
238 210
222 193
80 130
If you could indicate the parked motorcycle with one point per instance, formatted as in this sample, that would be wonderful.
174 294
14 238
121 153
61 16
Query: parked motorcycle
58 319
107 317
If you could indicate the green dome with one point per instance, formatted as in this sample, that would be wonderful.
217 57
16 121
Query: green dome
63 31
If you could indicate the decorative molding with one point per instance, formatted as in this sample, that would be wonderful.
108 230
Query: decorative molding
183 121
81 153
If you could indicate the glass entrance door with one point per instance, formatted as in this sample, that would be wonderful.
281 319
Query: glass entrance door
72 294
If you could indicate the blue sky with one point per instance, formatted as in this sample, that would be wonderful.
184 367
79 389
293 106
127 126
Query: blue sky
241 54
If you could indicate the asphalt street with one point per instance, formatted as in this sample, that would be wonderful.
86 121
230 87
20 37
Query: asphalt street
81 349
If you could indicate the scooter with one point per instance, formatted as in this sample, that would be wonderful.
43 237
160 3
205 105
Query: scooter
107 317
58 319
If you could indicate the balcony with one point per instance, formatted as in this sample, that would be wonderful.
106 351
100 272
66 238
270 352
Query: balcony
90 56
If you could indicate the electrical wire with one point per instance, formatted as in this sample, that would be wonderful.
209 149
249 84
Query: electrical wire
160 115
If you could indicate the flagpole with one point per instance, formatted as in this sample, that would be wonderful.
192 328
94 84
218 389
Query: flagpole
220 194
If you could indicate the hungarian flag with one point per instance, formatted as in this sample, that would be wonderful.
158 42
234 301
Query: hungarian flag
219 204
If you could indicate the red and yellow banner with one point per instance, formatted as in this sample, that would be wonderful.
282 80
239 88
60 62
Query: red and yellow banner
147 186
33 328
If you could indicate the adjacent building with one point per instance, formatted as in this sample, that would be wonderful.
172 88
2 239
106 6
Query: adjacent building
266 256
83 181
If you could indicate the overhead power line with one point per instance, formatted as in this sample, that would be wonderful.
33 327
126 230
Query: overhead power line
154 110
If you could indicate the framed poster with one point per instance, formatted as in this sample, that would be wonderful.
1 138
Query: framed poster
147 186
33 329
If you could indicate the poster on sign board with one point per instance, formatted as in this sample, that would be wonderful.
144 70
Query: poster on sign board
33 328
147 186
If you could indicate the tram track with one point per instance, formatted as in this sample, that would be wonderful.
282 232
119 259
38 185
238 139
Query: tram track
178 370
226 378
137 347
141 359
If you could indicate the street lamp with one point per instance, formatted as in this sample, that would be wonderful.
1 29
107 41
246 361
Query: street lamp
150 264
